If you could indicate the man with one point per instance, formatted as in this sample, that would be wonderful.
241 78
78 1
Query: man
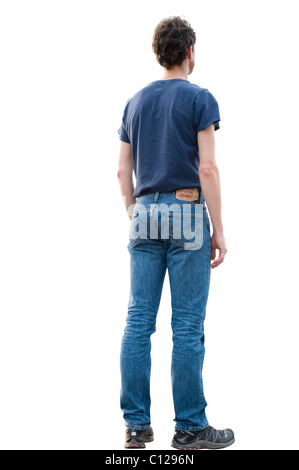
167 139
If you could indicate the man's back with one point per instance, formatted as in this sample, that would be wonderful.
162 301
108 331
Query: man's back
161 123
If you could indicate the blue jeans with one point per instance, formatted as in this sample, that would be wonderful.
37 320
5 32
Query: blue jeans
189 275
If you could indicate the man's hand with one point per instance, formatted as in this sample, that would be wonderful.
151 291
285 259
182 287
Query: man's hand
218 243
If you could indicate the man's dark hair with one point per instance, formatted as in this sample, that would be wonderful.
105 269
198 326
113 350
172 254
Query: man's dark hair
172 38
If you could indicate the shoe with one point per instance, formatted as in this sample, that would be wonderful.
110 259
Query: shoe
208 438
137 439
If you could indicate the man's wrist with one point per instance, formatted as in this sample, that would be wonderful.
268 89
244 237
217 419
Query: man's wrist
218 230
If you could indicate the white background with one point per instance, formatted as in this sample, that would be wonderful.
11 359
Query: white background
67 70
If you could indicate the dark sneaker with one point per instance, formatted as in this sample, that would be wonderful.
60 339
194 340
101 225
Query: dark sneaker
136 439
208 438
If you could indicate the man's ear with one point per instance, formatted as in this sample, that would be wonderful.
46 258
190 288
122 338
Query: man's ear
190 50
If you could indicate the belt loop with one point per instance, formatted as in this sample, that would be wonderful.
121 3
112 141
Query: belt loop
156 197
202 200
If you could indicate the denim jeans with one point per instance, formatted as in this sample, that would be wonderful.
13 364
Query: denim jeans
189 275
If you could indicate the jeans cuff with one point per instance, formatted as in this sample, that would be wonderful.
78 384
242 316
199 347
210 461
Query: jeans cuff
138 427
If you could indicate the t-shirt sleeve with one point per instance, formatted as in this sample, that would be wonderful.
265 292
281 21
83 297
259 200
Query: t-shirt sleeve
123 134
206 111
123 130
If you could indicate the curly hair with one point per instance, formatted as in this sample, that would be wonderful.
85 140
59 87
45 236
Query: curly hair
172 38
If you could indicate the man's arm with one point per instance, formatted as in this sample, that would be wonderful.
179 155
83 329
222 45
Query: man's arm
125 176
210 184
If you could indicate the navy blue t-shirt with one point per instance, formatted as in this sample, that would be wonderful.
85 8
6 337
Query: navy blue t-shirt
161 122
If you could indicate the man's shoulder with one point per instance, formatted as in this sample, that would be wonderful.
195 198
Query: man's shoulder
147 89
196 89
152 87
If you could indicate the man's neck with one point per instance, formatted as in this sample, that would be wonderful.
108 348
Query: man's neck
175 72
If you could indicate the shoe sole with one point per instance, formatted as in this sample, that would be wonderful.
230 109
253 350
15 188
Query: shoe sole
201 445
138 445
